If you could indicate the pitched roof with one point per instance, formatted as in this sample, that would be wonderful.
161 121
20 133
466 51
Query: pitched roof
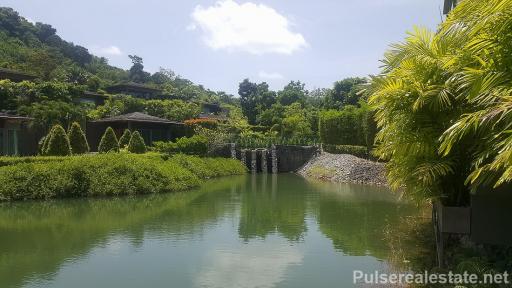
10 116
15 74
94 94
137 117
132 85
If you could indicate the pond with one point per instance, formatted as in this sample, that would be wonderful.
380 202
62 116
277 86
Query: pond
244 231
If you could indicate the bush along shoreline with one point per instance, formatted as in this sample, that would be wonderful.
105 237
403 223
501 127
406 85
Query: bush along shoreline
110 174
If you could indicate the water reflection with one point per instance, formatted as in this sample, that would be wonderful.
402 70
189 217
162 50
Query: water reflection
255 264
266 210
247 231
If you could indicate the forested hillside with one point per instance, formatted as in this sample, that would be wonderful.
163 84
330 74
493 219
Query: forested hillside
37 49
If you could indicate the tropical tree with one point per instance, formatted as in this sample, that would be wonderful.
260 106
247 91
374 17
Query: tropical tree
443 104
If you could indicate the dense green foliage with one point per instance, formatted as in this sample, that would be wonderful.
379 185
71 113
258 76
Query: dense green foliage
65 71
108 175
125 139
8 160
293 112
108 142
444 107
77 140
58 142
359 151
175 110
344 92
136 144
195 145
344 127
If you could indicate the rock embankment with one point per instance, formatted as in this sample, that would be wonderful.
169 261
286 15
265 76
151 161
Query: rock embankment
344 168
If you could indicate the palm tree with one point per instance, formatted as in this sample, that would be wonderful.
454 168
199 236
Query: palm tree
443 104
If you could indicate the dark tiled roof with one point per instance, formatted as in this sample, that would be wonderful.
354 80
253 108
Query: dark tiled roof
19 75
132 85
93 94
137 117
10 116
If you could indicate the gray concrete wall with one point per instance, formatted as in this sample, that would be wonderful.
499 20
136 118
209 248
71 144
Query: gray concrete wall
291 158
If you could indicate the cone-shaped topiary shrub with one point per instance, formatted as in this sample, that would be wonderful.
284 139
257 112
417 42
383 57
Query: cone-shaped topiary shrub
108 142
125 139
77 140
136 144
58 142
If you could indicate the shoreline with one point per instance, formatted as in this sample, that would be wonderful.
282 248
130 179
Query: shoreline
344 168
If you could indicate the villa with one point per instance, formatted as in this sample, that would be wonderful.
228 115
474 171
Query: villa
150 127
16 137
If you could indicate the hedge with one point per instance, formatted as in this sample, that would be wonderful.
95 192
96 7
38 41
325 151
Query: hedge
109 175
195 145
358 151
14 160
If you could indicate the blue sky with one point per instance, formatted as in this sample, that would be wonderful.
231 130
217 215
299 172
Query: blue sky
219 43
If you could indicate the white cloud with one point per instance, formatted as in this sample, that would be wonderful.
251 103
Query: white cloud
249 27
271 75
254 265
106 51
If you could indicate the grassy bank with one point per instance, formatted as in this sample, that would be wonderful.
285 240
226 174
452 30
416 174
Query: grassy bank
107 175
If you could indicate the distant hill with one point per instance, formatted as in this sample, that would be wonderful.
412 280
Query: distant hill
37 49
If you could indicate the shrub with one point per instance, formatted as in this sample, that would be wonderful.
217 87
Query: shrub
358 151
108 175
58 142
108 142
165 147
195 145
14 160
136 144
125 139
77 140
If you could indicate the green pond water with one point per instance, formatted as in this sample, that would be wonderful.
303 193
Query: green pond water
244 231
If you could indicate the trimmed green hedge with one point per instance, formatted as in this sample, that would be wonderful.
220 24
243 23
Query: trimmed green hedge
108 175
13 160
195 145
345 127
358 151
